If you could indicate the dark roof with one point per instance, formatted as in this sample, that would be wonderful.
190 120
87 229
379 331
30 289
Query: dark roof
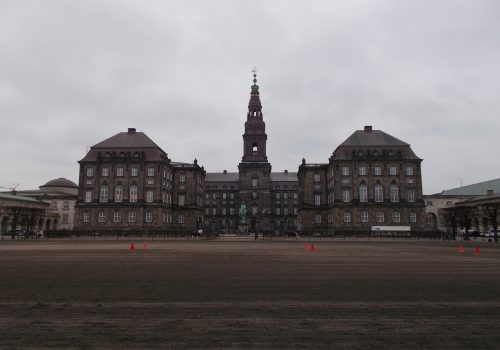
361 139
284 177
19 198
222 177
60 182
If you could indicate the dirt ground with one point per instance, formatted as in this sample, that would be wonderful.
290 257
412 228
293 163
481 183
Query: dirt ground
249 295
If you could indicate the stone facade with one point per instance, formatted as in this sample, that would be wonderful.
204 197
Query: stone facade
128 184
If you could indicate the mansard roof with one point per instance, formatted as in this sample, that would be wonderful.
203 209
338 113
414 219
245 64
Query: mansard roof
284 177
222 177
369 140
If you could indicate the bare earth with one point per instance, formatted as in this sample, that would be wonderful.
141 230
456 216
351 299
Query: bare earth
250 295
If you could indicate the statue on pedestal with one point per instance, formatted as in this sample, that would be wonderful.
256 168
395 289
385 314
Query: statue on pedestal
243 213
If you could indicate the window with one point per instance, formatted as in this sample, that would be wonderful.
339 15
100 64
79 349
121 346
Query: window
231 195
182 178
117 216
231 211
223 211
254 210
103 198
316 178
86 217
379 194
362 170
151 181
429 203
254 195
131 216
395 217
411 196
295 211
180 219
119 194
105 172
345 171
182 199
380 216
363 193
278 195
149 216
377 170
278 211
413 217
133 194
364 216
347 217
102 216
65 218
90 172
135 171
119 171
149 196
214 195
409 171
285 195
254 182
393 170
317 199
151 172
346 196
207 211
90 181
214 211
223 196
295 196
65 205
394 194
53 205
317 219
88 196
285 211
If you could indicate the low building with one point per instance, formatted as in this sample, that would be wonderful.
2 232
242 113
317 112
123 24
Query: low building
22 213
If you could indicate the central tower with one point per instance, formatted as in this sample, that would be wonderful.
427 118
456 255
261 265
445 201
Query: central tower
254 169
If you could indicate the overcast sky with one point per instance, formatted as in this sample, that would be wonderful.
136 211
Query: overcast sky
73 73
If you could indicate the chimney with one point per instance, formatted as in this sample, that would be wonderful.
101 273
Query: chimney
131 131
489 192
368 128
286 171
225 172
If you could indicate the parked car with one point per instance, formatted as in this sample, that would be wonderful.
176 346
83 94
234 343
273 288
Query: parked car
17 233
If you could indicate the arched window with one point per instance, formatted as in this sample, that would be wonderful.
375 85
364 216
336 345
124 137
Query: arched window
118 193
363 193
103 198
254 149
379 193
133 194
394 193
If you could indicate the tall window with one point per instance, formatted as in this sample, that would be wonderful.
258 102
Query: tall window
131 216
413 217
347 217
207 211
363 193
396 217
285 211
90 172
364 216
151 171
119 194
117 216
411 195
254 195
362 170
53 205
180 219
133 194
393 170
254 182
119 171
379 194
231 211
377 170
380 216
149 216
394 193
88 196
135 171
346 196
182 199
345 171
278 211
86 217
182 178
65 205
101 217
409 170
105 172
65 218
103 198
317 199
316 178
317 219
223 211
254 210
149 196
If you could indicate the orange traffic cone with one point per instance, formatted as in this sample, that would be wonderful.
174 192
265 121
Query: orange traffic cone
144 246
307 247
477 251
461 249
132 247
312 248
